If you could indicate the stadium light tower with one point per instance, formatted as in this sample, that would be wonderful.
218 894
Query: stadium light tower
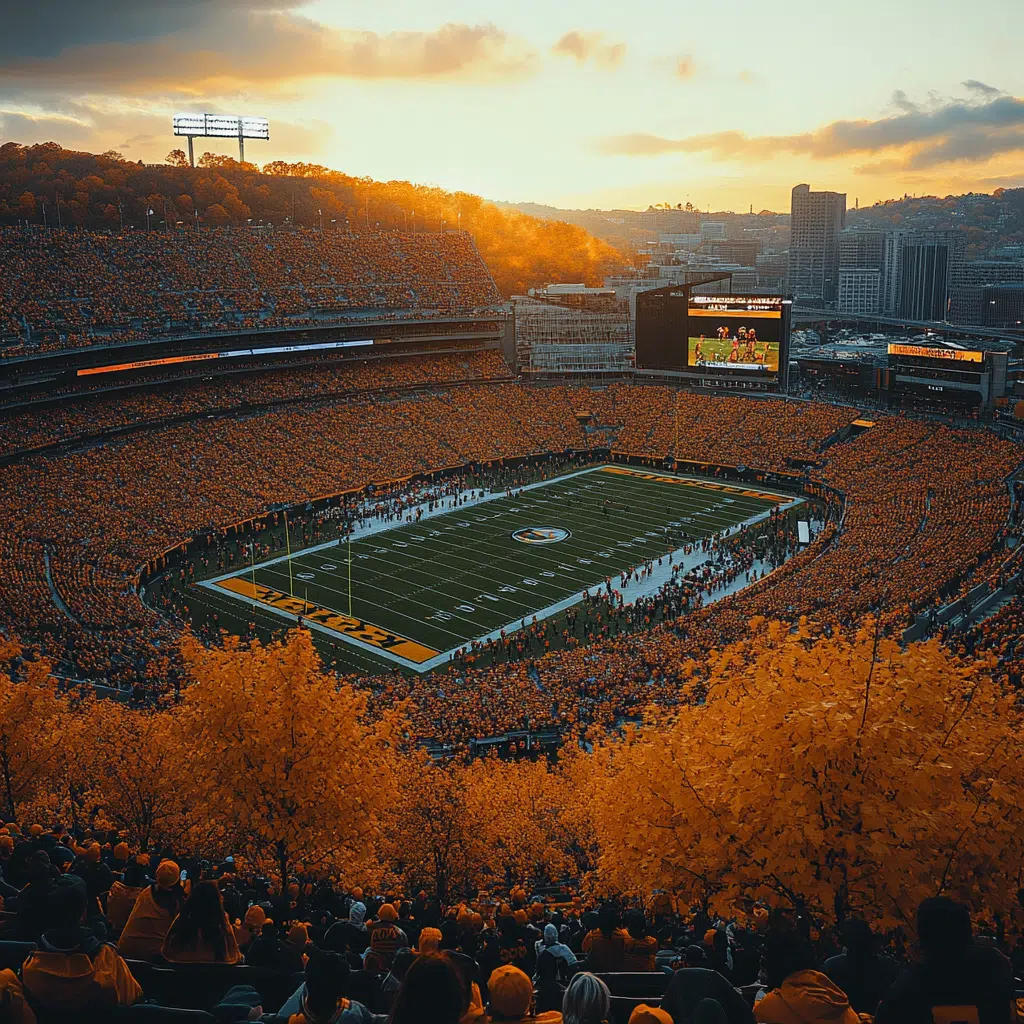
219 126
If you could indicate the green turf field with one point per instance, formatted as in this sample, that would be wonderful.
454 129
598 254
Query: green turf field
420 591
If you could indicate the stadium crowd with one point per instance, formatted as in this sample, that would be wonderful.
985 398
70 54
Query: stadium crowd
76 289
924 506
90 925
82 416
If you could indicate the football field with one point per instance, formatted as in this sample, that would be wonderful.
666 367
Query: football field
413 593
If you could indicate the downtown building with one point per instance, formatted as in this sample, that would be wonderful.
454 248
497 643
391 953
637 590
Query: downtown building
816 220
862 272
930 263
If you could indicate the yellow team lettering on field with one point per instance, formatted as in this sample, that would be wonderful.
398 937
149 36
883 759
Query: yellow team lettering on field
357 629
706 484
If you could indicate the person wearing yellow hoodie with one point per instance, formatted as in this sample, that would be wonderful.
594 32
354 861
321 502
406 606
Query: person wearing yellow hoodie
123 894
799 994
72 970
157 906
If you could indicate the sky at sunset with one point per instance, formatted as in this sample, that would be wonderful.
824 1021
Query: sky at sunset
567 103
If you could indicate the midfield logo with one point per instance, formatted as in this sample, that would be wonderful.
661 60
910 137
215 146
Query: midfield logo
540 535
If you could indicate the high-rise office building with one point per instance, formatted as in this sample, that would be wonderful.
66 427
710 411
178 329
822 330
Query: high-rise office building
930 264
860 290
966 301
892 268
816 218
861 271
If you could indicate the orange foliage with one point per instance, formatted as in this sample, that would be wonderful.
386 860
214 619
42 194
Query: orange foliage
521 251
283 757
31 716
839 775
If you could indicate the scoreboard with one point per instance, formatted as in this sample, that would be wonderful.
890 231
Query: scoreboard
732 340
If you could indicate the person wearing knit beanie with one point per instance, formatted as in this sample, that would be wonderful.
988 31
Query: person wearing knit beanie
386 937
644 1014
511 998
157 906
298 936
167 874
121 853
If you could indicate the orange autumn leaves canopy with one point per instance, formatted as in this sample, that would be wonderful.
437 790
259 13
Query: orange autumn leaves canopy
846 774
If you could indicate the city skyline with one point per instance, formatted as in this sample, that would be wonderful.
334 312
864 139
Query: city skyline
586 105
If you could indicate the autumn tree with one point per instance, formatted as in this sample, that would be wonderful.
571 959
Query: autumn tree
513 811
285 756
176 158
428 840
132 765
837 775
216 216
31 718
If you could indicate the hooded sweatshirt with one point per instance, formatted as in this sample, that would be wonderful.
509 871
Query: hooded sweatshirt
806 997
120 903
147 924
76 972
550 944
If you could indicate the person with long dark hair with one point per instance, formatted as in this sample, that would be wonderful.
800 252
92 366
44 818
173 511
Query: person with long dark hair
201 933
432 993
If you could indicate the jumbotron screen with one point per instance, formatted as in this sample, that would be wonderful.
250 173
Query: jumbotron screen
741 334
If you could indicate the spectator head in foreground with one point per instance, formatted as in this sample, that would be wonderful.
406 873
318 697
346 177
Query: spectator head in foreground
587 1000
943 929
432 993
326 985
798 991
511 994
644 1014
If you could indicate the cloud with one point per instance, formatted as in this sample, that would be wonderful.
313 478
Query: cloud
46 28
227 45
584 46
950 131
986 90
42 127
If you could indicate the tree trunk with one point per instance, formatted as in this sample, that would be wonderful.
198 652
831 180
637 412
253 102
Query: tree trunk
282 866
7 785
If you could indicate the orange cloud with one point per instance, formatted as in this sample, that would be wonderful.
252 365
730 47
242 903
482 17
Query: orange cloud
685 67
584 46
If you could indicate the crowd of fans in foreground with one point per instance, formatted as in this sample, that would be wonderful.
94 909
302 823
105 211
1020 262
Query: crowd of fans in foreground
75 289
100 918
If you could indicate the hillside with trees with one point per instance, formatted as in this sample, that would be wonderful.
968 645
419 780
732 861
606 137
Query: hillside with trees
990 222
48 186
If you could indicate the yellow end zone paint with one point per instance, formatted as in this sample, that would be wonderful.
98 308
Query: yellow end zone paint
357 629
708 485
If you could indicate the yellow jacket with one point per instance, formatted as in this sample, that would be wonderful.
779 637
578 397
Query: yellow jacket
14 1008
72 981
147 925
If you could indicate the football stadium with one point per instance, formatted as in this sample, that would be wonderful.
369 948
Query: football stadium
354 669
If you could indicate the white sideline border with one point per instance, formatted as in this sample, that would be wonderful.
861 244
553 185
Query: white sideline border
631 593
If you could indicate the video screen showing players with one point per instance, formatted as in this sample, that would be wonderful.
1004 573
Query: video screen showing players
723 337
